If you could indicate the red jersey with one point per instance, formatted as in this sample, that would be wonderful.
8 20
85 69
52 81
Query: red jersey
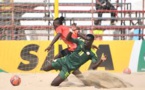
75 34
64 30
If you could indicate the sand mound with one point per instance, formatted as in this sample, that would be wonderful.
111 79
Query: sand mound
102 79
99 79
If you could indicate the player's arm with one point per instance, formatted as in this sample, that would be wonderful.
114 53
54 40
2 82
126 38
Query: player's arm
95 47
83 36
53 41
95 64
69 36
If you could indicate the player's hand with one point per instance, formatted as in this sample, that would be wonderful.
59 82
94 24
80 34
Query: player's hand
48 48
104 58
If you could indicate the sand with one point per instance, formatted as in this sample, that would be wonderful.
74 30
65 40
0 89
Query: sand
42 81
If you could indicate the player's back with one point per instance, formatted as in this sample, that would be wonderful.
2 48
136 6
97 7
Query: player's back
64 30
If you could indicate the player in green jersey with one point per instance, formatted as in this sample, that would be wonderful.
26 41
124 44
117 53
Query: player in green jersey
68 64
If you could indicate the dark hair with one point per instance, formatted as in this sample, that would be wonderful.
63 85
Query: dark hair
75 24
60 20
78 28
96 22
91 36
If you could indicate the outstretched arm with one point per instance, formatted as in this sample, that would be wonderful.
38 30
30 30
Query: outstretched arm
96 65
53 41
95 47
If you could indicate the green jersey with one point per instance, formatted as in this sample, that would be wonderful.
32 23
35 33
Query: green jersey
69 63
79 56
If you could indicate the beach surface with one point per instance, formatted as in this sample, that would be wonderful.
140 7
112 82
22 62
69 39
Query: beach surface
42 81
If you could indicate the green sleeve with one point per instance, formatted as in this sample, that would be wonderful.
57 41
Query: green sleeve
77 41
94 57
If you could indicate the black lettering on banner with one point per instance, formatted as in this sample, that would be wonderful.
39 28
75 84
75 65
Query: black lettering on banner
27 56
108 64
60 48
50 56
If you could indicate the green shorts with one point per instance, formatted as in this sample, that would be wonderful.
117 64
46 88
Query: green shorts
60 65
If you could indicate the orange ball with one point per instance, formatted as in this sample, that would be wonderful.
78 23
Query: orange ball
127 71
15 80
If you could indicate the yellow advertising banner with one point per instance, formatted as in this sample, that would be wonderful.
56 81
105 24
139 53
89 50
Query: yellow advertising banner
29 56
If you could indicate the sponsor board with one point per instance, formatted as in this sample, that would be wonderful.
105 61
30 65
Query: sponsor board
141 60
29 56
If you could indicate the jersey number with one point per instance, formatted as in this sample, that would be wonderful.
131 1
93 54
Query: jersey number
81 53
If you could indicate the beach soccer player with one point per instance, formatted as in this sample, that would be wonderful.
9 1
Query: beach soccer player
62 32
68 64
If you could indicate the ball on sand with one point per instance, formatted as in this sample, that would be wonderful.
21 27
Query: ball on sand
15 80
127 71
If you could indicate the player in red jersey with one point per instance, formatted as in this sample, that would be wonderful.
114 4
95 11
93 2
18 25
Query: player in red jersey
62 32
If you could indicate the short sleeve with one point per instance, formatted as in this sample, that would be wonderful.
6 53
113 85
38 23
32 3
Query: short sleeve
59 30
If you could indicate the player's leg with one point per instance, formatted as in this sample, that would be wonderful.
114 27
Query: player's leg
62 53
47 67
55 64
65 52
100 16
76 72
113 14
57 81
64 73
59 55
98 7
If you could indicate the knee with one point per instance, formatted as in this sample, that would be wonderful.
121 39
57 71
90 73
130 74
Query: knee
54 84
46 68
